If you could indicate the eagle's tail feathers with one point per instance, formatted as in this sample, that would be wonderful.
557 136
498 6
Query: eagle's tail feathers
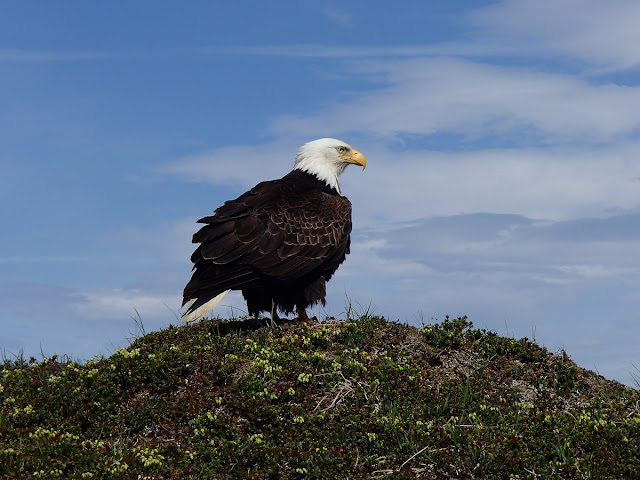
191 314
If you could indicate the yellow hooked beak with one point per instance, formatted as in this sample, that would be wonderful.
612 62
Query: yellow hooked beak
356 158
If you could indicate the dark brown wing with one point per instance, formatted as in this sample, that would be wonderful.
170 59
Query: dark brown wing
283 229
304 230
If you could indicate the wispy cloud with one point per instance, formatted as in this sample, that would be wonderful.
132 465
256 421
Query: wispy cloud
44 259
462 49
544 183
429 96
22 55
553 183
601 34
342 19
518 245
240 165
119 303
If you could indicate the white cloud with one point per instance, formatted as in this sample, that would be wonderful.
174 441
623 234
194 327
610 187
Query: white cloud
551 184
21 55
342 19
601 34
440 95
544 183
164 243
366 260
236 165
44 259
119 303
596 270
306 50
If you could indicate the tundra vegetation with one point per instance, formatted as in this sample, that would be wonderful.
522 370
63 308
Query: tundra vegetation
359 398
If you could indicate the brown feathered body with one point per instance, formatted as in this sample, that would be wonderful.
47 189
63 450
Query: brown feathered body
278 243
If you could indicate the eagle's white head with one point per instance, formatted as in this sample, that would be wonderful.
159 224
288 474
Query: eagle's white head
326 158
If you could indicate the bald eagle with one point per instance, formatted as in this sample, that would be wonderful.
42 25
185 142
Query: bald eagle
280 242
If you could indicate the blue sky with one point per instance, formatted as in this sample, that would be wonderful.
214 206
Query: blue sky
502 141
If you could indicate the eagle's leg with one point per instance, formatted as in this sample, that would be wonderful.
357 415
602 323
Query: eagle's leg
274 313
302 315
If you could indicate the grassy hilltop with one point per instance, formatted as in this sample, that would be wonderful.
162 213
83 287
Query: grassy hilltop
355 399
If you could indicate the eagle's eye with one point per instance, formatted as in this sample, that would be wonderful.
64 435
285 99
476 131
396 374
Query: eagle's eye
342 149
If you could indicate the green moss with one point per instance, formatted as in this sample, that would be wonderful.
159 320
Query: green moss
365 398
